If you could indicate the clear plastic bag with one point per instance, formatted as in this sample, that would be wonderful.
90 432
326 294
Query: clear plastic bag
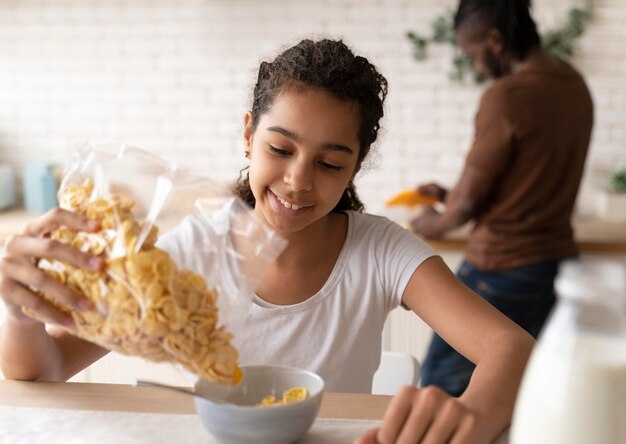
163 295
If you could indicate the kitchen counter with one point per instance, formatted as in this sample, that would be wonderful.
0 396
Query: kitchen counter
44 397
127 398
592 235
48 412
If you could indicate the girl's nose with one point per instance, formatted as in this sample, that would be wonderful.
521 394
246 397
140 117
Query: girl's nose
299 177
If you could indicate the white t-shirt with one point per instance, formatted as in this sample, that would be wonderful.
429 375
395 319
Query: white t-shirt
336 332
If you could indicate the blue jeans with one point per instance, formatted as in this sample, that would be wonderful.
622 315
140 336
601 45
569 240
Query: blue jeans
525 294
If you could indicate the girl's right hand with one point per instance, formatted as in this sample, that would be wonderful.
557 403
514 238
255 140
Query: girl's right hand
19 273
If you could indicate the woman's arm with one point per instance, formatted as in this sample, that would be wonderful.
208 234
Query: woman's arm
27 349
497 346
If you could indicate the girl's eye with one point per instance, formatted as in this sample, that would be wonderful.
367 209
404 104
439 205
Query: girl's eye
278 151
330 166
284 153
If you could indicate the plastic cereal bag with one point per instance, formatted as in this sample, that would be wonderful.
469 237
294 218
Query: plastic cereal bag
183 256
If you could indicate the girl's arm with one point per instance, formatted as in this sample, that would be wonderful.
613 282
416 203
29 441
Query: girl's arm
497 346
27 349
29 352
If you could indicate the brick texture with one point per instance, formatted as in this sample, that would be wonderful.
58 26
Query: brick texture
174 76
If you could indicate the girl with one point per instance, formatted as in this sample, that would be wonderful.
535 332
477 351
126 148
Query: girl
315 114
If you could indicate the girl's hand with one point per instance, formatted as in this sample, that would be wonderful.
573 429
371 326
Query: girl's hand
427 416
19 273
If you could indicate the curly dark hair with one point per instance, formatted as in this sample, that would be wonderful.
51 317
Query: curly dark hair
327 65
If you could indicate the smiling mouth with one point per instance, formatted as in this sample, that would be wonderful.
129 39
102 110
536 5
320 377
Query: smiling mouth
289 205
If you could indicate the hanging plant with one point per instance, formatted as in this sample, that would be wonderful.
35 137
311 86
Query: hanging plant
560 41
617 181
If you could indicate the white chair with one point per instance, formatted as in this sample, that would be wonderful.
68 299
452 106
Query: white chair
395 371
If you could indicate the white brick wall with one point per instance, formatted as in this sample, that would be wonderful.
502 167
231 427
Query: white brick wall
174 76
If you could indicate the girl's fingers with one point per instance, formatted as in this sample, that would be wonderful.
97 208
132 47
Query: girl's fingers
22 298
28 275
368 438
18 272
396 414
31 244
467 431
42 247
424 410
57 218
446 422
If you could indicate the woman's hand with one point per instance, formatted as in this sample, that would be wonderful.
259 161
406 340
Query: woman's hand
428 416
19 273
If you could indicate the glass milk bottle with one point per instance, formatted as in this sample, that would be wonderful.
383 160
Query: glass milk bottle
574 387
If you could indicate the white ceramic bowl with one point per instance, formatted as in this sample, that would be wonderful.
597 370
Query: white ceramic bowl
239 421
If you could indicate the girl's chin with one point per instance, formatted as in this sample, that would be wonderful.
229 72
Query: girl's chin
283 223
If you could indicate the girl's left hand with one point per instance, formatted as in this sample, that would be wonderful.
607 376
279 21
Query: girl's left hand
427 416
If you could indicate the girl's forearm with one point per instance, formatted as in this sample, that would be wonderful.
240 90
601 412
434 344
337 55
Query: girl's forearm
493 388
28 352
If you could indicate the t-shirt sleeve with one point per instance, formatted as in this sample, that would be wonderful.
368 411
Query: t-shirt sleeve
399 254
493 143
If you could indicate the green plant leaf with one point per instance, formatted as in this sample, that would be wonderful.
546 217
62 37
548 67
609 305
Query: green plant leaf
617 181
560 41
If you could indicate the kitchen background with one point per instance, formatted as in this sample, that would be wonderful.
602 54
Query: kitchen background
175 76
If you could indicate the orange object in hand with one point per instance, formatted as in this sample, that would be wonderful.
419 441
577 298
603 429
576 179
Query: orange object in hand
410 198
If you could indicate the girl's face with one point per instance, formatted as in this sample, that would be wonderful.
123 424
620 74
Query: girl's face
303 155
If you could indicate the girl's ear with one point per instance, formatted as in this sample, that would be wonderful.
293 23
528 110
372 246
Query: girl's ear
356 171
247 130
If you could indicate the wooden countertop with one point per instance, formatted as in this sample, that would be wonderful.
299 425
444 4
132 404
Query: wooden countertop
592 235
128 398
145 399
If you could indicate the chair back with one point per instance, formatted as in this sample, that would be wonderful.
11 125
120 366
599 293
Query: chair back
395 371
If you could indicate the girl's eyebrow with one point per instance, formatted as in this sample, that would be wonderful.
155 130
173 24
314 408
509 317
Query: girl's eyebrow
296 138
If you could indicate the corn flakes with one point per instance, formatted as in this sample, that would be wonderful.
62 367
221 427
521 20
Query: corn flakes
145 305
294 394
